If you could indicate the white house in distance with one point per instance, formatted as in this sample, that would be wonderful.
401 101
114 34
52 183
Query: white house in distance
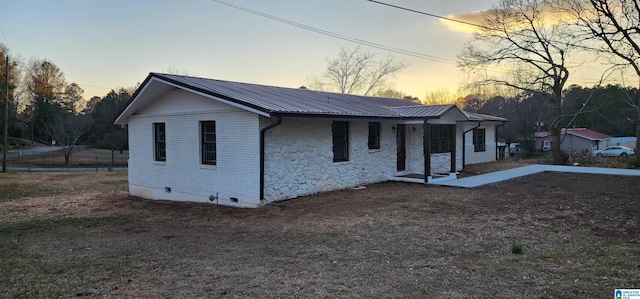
205 140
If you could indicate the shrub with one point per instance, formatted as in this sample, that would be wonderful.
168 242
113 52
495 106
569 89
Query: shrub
516 248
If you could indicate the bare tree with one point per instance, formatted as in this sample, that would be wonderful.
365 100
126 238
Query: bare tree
396 94
613 27
390 93
356 72
528 39
68 131
440 96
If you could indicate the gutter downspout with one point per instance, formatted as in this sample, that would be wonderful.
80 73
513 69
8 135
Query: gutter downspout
496 134
262 146
464 142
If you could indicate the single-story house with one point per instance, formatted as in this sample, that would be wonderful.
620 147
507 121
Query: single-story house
573 140
198 139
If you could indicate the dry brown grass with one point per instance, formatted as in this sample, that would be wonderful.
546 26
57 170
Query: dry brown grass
579 235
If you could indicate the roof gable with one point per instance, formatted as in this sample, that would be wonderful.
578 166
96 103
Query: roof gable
270 100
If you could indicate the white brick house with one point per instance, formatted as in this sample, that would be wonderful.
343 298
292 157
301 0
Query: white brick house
230 143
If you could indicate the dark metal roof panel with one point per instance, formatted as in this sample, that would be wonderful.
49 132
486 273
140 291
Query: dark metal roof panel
485 117
292 101
423 111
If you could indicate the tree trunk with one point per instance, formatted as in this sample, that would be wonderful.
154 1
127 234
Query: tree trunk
556 130
67 159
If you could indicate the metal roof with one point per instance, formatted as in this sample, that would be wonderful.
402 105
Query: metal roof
484 117
587 134
580 132
272 100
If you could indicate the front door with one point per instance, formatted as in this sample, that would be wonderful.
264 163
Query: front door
402 150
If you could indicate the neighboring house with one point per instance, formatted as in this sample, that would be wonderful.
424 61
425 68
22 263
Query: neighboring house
239 144
573 140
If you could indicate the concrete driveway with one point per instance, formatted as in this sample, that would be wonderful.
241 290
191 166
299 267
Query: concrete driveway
499 176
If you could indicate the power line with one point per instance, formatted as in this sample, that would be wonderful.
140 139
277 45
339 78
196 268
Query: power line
4 36
427 14
339 36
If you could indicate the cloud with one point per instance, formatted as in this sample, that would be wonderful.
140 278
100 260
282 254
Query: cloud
477 17
547 16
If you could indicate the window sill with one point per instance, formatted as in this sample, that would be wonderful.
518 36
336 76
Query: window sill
208 167
160 163
342 161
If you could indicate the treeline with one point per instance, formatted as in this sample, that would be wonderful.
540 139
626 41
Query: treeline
607 109
45 108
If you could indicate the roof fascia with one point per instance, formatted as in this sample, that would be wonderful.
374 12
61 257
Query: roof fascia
125 111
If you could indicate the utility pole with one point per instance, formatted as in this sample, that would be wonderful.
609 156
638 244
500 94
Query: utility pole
6 116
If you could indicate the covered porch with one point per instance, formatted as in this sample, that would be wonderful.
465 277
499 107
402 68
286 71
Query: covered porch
429 146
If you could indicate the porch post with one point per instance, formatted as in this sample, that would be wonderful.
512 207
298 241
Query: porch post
426 147
452 146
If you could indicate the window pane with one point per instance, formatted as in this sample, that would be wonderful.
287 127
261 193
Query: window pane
159 142
340 131
479 140
440 139
374 135
208 140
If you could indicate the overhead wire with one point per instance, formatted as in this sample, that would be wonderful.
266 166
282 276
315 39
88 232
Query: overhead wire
340 36
4 36
427 14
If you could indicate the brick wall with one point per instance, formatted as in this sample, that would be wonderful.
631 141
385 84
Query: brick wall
236 173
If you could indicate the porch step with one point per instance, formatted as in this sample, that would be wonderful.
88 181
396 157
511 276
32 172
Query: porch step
419 178
438 178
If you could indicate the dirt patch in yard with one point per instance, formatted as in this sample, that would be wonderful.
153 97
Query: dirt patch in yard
578 234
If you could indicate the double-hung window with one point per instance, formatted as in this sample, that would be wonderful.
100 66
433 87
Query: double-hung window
340 130
208 139
374 135
160 142
479 140
440 139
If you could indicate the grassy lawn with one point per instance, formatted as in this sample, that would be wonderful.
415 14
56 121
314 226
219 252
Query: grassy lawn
70 235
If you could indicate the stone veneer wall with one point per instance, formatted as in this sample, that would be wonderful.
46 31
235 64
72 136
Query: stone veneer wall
440 163
299 157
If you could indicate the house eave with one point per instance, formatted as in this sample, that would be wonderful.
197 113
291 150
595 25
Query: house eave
152 82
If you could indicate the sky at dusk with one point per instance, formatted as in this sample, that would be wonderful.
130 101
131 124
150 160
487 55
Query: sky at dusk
103 45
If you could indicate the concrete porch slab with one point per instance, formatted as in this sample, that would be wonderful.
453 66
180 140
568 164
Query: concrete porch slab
419 178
